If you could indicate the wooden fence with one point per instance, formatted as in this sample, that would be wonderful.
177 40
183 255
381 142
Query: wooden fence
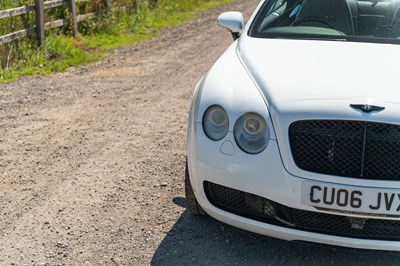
41 25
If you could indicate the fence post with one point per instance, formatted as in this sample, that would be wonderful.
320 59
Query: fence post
152 3
108 5
40 22
73 17
137 6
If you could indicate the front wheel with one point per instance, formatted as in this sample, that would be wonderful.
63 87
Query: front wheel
192 204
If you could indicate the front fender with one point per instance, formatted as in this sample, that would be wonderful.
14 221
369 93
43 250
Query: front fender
229 85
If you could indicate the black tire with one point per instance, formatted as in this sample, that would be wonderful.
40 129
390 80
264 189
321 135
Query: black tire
192 205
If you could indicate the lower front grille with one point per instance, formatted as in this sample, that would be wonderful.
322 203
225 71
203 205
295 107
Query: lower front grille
340 225
264 210
241 203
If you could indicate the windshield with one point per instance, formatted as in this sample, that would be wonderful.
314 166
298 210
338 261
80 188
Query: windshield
354 20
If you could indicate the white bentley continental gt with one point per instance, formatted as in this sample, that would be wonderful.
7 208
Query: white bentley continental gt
294 133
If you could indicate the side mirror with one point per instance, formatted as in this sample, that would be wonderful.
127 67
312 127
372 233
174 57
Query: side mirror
233 21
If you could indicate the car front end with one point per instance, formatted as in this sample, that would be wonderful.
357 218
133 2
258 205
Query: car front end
298 139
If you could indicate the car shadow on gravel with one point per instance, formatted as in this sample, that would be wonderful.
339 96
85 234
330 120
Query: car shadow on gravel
204 241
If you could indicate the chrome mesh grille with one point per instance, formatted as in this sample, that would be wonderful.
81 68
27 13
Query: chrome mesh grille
347 148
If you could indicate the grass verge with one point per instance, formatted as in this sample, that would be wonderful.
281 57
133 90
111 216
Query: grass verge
122 28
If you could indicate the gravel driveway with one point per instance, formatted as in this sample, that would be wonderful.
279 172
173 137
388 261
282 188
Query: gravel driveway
92 164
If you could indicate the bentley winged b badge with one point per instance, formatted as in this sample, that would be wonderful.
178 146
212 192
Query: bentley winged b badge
366 108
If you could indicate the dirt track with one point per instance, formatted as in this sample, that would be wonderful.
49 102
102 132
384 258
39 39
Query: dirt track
93 160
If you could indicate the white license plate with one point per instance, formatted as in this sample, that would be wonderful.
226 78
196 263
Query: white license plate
351 200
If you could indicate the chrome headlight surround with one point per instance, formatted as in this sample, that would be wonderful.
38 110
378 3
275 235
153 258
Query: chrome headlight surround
251 133
215 122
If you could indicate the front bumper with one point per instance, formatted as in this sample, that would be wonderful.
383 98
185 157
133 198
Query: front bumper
263 175
293 234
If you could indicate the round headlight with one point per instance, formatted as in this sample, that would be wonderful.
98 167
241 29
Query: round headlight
251 133
215 122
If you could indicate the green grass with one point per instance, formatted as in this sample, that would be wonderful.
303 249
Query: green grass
58 54
97 38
